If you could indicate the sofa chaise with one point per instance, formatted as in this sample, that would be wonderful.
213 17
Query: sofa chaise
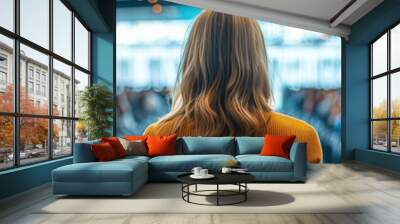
125 176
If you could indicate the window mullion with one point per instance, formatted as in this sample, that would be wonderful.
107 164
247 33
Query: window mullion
73 82
50 81
389 76
16 84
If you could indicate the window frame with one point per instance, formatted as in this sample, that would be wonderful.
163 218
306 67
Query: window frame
388 74
16 115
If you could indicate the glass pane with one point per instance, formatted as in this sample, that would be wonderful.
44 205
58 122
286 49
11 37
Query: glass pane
33 139
35 21
395 132
81 45
6 74
62 29
379 98
395 94
81 81
6 142
379 55
81 131
62 89
379 135
395 47
34 94
7 14
62 138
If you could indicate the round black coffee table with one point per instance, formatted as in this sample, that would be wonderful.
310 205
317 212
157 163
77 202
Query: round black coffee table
238 179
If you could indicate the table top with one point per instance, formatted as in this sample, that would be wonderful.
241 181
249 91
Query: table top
220 178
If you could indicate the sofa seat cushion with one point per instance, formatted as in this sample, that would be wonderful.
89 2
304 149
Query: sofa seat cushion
185 163
257 163
112 171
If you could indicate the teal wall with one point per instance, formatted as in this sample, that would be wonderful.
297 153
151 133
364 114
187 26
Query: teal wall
356 100
99 15
102 58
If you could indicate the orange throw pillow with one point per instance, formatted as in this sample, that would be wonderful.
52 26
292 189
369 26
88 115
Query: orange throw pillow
116 145
103 152
161 145
135 138
275 145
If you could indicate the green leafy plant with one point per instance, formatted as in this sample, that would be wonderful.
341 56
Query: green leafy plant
97 104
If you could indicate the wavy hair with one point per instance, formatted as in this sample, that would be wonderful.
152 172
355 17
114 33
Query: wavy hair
223 86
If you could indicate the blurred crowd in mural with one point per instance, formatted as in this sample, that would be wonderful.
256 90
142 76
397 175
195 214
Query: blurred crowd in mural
305 69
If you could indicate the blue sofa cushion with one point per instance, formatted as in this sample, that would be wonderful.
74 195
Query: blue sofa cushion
257 163
185 163
111 171
206 145
249 145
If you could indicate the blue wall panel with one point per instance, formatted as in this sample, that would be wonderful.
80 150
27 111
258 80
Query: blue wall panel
24 178
102 58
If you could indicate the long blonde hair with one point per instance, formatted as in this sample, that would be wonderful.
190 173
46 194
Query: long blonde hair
223 86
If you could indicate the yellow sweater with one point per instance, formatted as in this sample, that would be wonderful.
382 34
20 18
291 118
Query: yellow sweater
280 124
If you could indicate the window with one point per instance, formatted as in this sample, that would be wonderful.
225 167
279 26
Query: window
3 78
62 29
6 73
7 14
30 72
37 89
62 74
81 45
385 94
44 116
43 90
34 22
3 61
30 87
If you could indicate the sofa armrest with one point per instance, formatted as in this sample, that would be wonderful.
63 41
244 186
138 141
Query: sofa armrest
298 155
83 152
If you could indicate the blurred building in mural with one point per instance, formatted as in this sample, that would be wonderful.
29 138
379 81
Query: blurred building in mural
304 66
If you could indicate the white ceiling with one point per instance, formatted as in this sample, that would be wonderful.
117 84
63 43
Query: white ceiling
326 16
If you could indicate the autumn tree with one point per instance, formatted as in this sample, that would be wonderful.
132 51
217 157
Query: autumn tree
33 131
380 127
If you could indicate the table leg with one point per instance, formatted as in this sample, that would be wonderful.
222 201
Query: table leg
195 188
245 193
217 194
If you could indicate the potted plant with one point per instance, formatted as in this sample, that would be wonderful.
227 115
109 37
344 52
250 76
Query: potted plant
96 103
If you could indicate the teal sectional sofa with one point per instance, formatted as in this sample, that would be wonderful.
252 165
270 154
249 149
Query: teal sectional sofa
125 176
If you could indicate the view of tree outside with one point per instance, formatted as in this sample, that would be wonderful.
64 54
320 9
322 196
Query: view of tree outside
33 131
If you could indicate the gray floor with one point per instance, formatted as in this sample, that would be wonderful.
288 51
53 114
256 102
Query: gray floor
378 188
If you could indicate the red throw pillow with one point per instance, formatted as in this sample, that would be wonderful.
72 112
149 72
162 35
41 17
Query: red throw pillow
116 145
103 152
161 145
275 145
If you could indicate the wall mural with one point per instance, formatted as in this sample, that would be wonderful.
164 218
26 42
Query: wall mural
303 67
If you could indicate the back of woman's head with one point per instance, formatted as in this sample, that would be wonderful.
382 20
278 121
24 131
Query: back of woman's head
223 86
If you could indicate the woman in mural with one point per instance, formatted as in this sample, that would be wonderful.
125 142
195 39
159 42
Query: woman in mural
224 89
